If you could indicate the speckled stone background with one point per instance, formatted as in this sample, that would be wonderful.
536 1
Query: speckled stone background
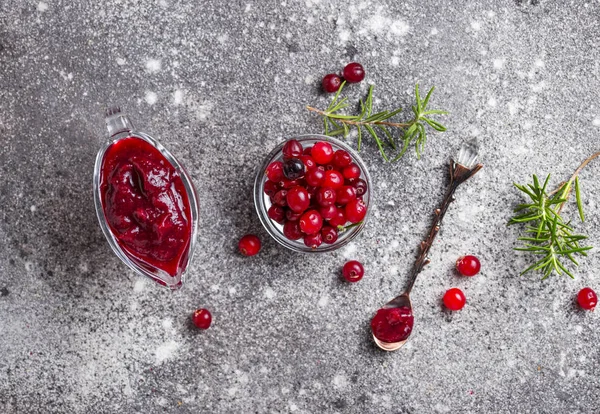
220 83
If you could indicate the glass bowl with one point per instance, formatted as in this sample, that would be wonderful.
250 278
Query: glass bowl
262 201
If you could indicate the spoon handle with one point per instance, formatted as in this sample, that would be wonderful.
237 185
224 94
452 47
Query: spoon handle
458 175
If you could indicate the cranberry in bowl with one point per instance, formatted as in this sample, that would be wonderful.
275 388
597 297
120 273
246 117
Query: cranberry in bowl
312 193
146 203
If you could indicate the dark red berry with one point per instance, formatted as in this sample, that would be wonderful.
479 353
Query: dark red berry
454 299
291 230
307 151
351 172
353 72
333 179
249 245
331 83
313 240
328 212
293 168
315 177
339 219
322 153
287 184
355 210
361 186
271 188
345 194
353 271
325 196
202 318
290 215
587 298
292 149
276 213
280 198
329 234
311 222
341 159
275 171
309 163
468 265
297 199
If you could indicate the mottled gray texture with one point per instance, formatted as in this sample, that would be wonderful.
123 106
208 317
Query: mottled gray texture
80 334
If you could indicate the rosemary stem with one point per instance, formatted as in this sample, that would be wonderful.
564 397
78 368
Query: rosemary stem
357 123
574 176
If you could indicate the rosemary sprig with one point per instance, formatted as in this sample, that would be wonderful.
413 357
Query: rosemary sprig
378 124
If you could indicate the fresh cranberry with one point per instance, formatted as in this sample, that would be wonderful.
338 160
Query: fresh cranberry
311 222
287 184
587 298
275 171
309 163
322 152
297 199
355 210
313 240
331 83
351 172
291 230
293 168
276 213
361 186
249 245
292 149
315 177
329 167
353 271
392 325
468 265
329 234
202 318
280 198
325 196
341 159
354 72
345 195
328 212
292 216
339 219
307 151
454 299
333 179
271 188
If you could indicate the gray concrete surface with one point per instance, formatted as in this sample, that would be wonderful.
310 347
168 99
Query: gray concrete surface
220 83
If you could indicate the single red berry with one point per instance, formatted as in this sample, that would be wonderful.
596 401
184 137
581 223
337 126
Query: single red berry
315 177
361 186
325 196
287 184
341 159
290 215
202 318
355 210
339 219
468 265
587 298
454 299
280 198
329 234
292 149
333 179
345 195
297 199
353 271
249 245
311 222
331 83
351 172
307 151
276 213
322 152
353 72
309 163
328 212
275 171
313 240
270 188
291 230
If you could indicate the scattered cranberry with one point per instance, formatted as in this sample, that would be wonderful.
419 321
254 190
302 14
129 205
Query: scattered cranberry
361 187
355 211
291 230
292 149
331 83
468 265
271 188
325 196
345 195
275 171
249 245
311 222
276 213
280 198
322 153
392 325
328 212
293 168
354 72
313 240
454 299
202 318
353 271
341 159
309 163
315 177
587 298
351 172
298 199
333 179
329 234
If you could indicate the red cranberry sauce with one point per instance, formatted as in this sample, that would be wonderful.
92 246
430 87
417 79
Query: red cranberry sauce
392 325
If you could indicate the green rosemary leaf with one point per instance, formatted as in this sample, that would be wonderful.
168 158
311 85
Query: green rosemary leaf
578 198
369 103
426 101
418 97
435 125
359 140
326 124
346 130
388 135
336 132
335 98
434 112
371 131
